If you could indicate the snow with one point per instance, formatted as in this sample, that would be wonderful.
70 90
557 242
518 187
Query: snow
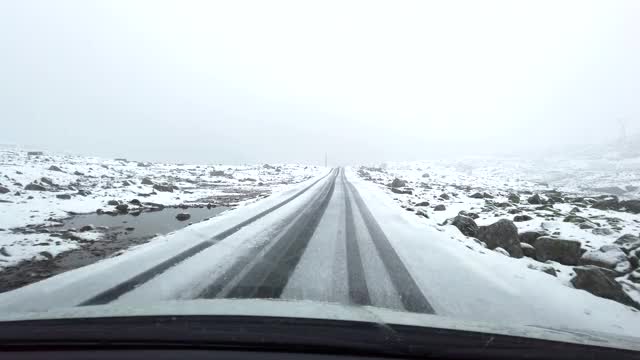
104 178
464 280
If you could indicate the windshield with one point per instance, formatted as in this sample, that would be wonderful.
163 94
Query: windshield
472 164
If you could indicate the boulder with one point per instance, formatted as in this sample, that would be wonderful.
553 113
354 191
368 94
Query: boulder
465 224
528 250
477 196
502 251
530 237
575 219
86 228
423 203
586 226
634 277
401 192
602 231
183 217
521 218
113 203
78 173
599 283
63 196
469 214
566 252
46 180
444 197
535 200
123 208
4 190
608 256
514 211
396 183
632 206
125 183
439 207
54 168
35 153
504 234
607 204
514 198
425 175
163 188
135 202
35 187
628 242
147 181
547 269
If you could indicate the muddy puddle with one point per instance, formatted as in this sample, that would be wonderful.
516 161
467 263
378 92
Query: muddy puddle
120 232
148 223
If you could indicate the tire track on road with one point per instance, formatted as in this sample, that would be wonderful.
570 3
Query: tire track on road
130 284
270 272
411 296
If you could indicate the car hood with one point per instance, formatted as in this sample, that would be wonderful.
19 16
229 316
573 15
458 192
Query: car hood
328 311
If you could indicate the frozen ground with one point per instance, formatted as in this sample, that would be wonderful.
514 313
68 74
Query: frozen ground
41 190
576 203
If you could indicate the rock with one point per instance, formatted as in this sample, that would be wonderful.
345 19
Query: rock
566 252
607 204
401 192
504 234
502 251
547 269
147 181
54 168
575 219
466 225
530 237
396 183
84 192
4 190
608 256
78 173
631 188
439 208
123 208
35 187
521 218
163 188
444 197
35 153
422 214
628 242
63 196
4 252
135 202
595 280
130 228
46 254
634 276
113 203
469 214
46 180
535 200
586 226
477 196
602 231
613 190
425 175
267 166
183 217
514 198
528 250
423 203
125 183
632 206
86 228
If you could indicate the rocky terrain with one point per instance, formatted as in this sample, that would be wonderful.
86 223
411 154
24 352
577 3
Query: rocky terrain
584 231
58 212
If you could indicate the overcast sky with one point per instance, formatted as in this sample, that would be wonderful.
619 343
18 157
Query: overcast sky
240 81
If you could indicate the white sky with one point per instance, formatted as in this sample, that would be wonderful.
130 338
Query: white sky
263 81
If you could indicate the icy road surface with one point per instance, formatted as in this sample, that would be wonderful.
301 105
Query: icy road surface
333 239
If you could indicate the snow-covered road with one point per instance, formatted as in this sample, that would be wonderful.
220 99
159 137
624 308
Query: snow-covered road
337 239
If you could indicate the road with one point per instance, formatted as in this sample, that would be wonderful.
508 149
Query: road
329 249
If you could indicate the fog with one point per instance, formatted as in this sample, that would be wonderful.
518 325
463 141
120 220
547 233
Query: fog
288 81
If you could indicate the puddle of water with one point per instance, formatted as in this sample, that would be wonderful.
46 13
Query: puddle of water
145 224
